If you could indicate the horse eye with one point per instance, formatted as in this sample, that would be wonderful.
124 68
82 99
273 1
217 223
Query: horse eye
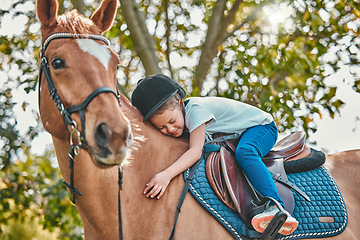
118 67
58 63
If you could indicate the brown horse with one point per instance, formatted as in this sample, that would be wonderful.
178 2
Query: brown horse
77 69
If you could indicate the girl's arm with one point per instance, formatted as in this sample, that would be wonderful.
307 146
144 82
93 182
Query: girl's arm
158 184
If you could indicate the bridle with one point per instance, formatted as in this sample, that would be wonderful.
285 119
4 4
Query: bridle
74 149
66 112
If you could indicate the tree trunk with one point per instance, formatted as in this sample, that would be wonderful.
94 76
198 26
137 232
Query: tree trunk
217 33
215 36
79 5
143 41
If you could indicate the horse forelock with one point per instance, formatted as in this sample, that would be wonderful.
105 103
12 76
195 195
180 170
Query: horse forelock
75 23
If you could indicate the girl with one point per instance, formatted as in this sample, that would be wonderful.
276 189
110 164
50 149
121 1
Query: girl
160 100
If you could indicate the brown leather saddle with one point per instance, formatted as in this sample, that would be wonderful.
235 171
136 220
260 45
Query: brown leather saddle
233 188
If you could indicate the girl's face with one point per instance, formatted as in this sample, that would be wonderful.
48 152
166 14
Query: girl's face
170 122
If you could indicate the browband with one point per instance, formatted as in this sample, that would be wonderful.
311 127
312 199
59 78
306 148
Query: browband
70 35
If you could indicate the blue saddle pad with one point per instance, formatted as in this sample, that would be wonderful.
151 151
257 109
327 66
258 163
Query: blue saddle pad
326 201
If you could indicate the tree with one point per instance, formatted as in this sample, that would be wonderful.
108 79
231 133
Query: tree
242 55
231 48
32 192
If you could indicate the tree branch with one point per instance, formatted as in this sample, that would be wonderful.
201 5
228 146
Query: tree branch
209 48
79 5
61 7
143 42
217 34
217 28
167 35
231 15
252 16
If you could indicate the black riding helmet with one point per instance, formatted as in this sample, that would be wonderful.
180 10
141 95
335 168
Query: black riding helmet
152 92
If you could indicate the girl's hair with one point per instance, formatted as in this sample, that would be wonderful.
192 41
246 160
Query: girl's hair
170 104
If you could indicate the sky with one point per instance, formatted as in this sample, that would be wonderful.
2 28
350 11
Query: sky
343 132
332 135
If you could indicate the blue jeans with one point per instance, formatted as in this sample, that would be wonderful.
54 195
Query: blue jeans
255 143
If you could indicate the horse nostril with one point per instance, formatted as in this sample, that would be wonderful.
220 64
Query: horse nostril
102 135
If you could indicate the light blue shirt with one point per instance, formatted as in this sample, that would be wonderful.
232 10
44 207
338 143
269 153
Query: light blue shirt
223 115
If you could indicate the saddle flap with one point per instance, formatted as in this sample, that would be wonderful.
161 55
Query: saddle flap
216 172
232 176
215 179
276 167
234 189
238 186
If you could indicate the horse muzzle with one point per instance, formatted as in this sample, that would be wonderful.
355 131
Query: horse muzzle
111 145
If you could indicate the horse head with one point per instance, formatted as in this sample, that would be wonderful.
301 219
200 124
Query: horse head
78 71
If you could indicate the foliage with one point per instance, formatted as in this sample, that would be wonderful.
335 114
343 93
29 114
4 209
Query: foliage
227 48
278 67
28 228
31 191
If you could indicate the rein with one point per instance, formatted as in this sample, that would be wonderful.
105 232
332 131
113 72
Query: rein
74 149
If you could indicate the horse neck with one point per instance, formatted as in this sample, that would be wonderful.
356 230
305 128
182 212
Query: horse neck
97 207
153 150
154 153
98 186
153 217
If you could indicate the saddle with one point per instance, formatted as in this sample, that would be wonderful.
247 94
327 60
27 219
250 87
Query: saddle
234 189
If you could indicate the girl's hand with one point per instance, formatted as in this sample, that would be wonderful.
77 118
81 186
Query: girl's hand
157 185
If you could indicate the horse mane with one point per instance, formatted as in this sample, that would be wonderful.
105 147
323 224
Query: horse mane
75 23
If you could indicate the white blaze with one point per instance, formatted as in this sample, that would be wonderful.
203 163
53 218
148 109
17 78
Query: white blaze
101 52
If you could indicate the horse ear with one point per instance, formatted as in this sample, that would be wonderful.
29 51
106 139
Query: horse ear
47 11
105 14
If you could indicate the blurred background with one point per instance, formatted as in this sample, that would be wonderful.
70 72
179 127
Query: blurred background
298 60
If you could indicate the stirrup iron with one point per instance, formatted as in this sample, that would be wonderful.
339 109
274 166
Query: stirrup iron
276 223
